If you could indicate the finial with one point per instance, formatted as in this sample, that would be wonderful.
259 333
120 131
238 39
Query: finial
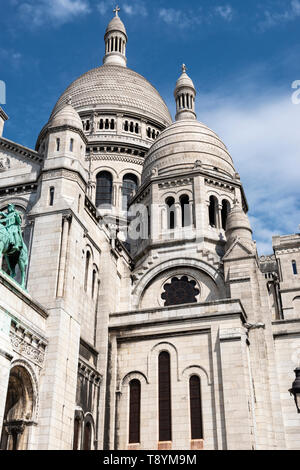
69 100
184 69
116 10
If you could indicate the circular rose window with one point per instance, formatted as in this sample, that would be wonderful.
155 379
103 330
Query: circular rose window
180 290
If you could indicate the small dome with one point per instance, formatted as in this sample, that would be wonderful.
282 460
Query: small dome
116 24
184 81
185 144
66 116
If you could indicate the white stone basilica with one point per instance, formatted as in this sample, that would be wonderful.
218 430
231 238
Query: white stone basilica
157 328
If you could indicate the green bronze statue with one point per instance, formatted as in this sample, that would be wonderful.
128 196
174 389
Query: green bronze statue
12 245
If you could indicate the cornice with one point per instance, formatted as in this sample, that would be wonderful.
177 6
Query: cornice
30 154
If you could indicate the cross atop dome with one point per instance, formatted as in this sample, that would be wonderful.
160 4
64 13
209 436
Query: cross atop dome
184 68
116 10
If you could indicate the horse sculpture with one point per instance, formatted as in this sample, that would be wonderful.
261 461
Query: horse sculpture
12 245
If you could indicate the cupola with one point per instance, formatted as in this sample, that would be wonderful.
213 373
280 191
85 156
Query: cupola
115 41
185 94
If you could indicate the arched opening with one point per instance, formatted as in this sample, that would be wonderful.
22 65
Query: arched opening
164 393
131 128
57 144
87 436
51 196
101 124
170 203
196 408
136 128
94 278
213 203
71 145
106 124
185 211
126 126
129 187
112 124
77 433
224 213
18 410
104 189
294 266
87 266
134 411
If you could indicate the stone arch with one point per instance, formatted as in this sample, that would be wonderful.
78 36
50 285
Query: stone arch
200 265
196 370
136 374
88 432
20 408
153 358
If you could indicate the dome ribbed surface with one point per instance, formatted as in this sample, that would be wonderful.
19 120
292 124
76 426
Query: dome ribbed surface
184 143
114 87
116 24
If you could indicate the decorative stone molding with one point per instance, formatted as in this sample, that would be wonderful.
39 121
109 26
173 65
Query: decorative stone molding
20 150
220 184
19 189
88 372
27 343
4 164
117 158
175 183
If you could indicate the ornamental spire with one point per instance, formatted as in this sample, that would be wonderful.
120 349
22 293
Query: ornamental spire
115 41
185 94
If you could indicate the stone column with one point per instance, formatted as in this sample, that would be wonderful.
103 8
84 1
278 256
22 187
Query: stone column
6 355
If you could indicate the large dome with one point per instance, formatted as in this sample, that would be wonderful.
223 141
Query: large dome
184 144
113 87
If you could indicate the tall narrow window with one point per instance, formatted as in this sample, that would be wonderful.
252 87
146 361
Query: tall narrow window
77 425
57 144
224 213
212 211
51 196
130 184
87 265
164 392
170 203
134 411
195 408
294 265
104 189
71 145
87 437
185 211
94 282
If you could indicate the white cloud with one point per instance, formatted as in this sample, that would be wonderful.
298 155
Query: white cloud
225 11
188 18
262 135
57 12
137 8
273 18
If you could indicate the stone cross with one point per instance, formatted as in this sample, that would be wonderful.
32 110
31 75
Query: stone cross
116 10
184 69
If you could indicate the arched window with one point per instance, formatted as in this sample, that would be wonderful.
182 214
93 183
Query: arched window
136 128
87 266
126 126
77 429
134 411
148 132
51 196
106 124
195 408
185 211
164 393
213 211
294 266
104 189
57 144
87 127
170 203
101 124
130 184
94 277
87 437
131 128
71 145
153 134
112 124
224 213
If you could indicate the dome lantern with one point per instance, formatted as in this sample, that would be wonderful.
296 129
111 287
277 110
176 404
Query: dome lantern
115 41
185 94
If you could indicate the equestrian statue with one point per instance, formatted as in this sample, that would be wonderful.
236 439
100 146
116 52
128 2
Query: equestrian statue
12 245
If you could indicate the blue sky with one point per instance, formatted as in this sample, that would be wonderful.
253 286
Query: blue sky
242 56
